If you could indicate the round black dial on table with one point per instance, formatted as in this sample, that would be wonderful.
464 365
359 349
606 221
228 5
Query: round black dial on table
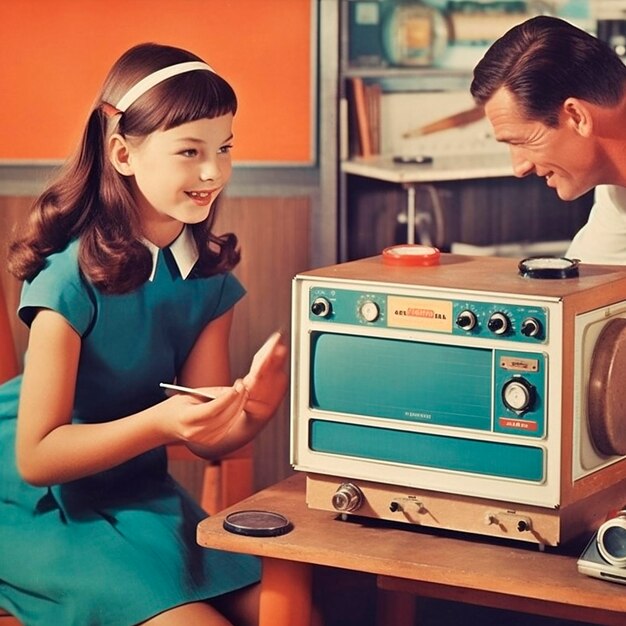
548 267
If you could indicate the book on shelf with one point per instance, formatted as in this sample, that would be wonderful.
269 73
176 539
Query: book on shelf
364 115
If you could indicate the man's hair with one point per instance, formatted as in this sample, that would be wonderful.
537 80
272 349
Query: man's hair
546 60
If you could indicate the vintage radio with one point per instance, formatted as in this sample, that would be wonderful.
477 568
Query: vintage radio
461 395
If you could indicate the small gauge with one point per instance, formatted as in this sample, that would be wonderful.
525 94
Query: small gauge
369 311
548 267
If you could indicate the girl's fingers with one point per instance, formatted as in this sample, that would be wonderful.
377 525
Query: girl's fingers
271 354
212 420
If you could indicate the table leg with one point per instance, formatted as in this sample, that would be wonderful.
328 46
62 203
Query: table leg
285 593
410 214
396 607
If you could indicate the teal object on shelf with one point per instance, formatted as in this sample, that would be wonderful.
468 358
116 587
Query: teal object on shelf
413 33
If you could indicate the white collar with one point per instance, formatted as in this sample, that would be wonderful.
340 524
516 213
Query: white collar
183 249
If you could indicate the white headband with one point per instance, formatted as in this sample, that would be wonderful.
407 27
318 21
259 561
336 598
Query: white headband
145 84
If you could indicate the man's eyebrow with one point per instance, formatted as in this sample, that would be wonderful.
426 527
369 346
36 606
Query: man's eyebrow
504 138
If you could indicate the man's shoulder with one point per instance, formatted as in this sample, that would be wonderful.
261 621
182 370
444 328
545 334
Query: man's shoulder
611 195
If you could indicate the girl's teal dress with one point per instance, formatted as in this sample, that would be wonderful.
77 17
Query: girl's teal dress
118 547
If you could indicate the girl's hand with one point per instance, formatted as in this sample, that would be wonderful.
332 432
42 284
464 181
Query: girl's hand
206 423
267 380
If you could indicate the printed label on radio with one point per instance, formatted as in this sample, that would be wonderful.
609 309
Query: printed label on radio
518 424
519 364
419 314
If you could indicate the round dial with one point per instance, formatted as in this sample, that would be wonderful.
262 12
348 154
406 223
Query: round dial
611 540
531 327
321 307
347 498
517 395
369 311
498 323
466 320
548 267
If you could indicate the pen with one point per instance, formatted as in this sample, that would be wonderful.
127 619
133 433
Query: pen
188 390
451 121
418 159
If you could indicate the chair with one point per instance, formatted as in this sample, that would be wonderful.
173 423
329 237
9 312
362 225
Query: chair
8 369
222 482
8 357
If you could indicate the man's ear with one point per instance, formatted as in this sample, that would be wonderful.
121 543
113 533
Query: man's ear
577 116
119 154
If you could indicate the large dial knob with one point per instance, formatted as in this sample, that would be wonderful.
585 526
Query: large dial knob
321 307
498 323
518 395
466 320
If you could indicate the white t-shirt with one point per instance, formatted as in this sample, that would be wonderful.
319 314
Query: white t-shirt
603 238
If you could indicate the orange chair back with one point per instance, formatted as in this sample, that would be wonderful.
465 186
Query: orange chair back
8 358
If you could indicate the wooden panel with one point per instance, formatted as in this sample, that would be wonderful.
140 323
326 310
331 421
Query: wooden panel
274 238
263 47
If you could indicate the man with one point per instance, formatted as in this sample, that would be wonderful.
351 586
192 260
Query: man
557 96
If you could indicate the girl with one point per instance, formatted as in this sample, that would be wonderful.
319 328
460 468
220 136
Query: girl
126 285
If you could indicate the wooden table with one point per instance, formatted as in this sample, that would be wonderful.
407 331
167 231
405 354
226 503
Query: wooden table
407 561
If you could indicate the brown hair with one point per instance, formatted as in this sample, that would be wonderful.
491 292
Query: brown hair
89 200
546 60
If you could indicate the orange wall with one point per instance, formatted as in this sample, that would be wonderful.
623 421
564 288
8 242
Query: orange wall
54 55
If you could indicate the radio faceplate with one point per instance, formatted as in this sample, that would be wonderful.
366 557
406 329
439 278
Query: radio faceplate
439 380
396 381
497 320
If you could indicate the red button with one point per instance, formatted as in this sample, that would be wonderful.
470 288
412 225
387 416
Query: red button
409 255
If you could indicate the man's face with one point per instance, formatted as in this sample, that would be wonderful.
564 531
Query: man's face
561 155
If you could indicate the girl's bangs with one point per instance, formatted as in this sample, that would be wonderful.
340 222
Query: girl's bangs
195 96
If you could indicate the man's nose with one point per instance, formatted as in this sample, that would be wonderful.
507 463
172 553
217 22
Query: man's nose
521 165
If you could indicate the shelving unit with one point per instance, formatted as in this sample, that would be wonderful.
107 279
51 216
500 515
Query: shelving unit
373 196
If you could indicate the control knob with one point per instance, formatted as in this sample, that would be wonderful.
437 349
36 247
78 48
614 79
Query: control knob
531 327
518 395
466 320
347 498
369 311
321 307
498 323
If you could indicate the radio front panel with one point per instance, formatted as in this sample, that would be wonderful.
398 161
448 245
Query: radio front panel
416 387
